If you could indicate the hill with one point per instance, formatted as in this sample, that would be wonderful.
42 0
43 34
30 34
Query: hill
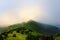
28 30
40 27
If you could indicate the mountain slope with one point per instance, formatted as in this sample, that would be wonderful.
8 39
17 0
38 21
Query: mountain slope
43 28
39 27
28 31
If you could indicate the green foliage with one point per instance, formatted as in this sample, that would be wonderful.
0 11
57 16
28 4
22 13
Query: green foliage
58 35
19 34
30 30
32 37
57 38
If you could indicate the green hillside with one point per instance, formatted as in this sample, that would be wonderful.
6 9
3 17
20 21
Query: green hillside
30 30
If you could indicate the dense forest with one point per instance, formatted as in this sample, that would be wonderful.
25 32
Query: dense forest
30 30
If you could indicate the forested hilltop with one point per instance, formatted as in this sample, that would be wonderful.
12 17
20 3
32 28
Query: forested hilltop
30 30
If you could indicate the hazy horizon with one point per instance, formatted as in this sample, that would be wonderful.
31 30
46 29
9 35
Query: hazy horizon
16 11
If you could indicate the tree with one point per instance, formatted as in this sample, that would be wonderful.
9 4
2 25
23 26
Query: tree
32 37
48 37
14 35
1 38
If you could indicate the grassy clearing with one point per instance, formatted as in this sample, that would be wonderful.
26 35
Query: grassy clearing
57 38
19 36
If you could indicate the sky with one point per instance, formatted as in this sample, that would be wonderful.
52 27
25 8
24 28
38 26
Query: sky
16 11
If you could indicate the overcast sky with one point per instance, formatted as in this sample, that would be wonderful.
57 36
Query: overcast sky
15 11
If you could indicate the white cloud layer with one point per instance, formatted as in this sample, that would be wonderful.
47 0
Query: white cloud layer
15 11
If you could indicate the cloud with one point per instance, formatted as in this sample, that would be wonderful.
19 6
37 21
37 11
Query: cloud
16 11
19 15
28 13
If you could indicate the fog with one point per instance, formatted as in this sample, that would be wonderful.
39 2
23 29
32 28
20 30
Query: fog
15 11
